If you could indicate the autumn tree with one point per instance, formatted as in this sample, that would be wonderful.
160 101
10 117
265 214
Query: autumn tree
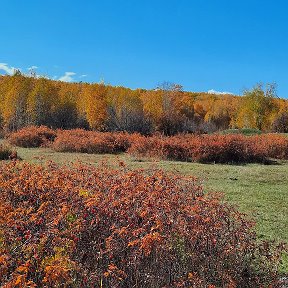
222 111
167 108
14 92
161 106
66 114
125 111
42 101
94 105
257 107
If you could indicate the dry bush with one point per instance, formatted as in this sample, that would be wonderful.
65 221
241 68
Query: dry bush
101 227
280 123
272 145
83 141
212 148
230 148
7 153
32 136
225 149
161 147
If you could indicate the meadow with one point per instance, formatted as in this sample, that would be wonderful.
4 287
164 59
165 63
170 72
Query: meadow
256 189
259 190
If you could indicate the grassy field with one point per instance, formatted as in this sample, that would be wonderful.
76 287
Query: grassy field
261 191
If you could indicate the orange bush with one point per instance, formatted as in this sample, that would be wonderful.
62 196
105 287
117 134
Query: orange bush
212 148
32 136
272 145
84 141
101 227
161 147
231 148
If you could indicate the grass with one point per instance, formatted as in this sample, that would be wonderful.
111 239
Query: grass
261 191
244 131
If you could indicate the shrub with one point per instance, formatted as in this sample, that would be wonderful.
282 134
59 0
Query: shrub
83 141
146 146
7 153
272 145
227 149
2 133
280 123
161 147
32 136
216 148
101 227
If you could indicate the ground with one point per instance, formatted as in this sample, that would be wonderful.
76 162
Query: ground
261 191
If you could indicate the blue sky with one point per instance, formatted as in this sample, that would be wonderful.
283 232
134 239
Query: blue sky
221 45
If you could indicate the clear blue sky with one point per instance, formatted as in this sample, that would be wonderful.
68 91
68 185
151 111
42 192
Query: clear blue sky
221 45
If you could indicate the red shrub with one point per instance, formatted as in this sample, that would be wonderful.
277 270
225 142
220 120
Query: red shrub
32 136
161 147
212 148
146 146
99 227
226 149
83 141
199 148
272 145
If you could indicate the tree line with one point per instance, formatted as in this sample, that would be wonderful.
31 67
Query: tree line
167 109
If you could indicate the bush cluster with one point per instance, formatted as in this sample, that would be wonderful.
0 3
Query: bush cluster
102 227
83 141
212 148
216 148
32 136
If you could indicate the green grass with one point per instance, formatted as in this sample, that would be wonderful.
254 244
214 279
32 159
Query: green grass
244 131
261 191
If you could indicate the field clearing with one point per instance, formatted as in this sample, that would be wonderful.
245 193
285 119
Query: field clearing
259 190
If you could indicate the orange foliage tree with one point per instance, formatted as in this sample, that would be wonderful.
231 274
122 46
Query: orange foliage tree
167 109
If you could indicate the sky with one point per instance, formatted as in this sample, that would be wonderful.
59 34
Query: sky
218 45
